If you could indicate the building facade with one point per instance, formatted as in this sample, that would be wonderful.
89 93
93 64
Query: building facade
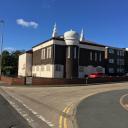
115 61
71 56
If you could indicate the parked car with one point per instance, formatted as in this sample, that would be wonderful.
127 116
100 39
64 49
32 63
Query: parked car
96 75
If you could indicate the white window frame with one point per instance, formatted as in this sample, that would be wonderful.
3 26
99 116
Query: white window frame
42 67
69 53
43 54
48 68
37 68
49 52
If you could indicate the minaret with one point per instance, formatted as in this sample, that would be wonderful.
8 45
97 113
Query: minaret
72 47
54 33
82 35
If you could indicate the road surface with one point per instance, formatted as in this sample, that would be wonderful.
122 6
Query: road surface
53 107
103 111
9 118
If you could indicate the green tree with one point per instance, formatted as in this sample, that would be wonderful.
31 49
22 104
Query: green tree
10 62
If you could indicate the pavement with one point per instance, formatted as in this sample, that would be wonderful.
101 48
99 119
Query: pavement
9 117
53 107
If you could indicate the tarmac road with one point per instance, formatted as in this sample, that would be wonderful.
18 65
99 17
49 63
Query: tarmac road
103 111
53 106
9 118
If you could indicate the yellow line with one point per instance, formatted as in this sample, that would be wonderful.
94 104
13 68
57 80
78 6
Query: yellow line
60 121
63 120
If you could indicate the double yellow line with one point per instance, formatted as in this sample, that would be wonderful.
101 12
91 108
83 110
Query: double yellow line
63 119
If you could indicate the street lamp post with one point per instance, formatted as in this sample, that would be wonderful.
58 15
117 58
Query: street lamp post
1 43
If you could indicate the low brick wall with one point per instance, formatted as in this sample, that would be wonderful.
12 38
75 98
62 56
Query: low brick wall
108 79
51 81
13 80
61 82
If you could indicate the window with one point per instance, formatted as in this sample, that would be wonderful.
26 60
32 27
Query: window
111 70
120 61
111 61
95 56
58 68
37 68
48 67
100 57
34 75
75 53
118 53
111 51
42 68
121 53
91 56
68 52
81 69
49 52
43 54
120 70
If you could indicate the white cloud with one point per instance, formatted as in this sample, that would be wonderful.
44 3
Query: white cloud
24 23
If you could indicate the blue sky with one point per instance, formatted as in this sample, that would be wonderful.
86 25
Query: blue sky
104 21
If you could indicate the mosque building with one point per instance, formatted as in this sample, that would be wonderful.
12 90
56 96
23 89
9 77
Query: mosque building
71 56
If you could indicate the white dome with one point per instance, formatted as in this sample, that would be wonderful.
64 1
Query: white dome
71 35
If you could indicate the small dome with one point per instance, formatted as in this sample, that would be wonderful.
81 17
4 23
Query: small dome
71 35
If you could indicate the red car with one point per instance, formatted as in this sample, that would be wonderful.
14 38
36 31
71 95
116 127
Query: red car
96 75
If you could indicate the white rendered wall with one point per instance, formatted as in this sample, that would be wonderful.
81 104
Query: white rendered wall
25 65
28 64
47 73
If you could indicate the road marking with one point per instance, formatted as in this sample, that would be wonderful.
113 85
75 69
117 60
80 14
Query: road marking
62 119
28 118
125 106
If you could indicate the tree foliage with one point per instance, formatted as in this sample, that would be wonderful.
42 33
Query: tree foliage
10 62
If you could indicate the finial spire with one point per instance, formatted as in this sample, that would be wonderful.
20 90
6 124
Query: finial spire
82 35
54 33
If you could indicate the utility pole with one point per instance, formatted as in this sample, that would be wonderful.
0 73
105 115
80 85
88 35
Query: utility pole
1 43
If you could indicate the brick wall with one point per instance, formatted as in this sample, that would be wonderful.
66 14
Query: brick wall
52 81
13 80
61 82
49 81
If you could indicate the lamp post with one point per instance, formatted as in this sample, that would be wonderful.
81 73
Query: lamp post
1 43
